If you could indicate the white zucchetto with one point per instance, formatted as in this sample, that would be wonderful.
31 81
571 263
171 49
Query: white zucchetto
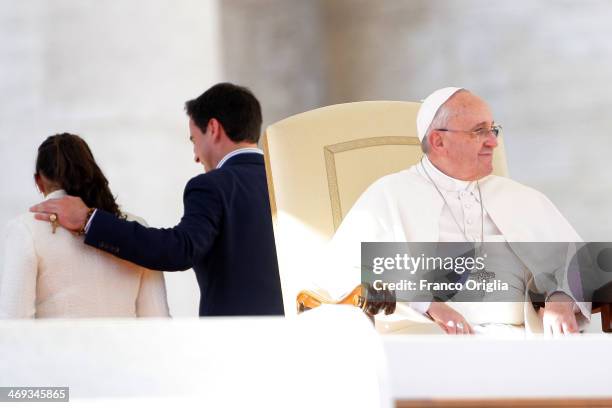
430 107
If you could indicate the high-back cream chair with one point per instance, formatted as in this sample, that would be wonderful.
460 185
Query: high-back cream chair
319 162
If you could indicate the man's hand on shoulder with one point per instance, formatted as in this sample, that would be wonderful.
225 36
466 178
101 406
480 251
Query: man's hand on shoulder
451 321
71 212
558 316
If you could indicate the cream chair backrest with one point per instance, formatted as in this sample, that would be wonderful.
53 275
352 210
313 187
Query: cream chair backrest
319 162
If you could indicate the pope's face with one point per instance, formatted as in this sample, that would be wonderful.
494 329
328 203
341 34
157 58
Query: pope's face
468 143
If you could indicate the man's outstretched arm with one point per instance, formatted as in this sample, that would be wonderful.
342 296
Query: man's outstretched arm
168 249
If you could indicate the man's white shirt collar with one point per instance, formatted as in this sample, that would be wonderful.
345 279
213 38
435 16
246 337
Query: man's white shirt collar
444 181
236 153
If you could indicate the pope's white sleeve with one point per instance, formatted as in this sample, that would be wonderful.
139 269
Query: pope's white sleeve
20 269
421 307
563 284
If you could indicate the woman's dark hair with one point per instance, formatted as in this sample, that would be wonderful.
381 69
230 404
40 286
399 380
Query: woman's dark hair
66 160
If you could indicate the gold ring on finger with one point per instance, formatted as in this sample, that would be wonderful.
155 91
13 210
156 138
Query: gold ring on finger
53 220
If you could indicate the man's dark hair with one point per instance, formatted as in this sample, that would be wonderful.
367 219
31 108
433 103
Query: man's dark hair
235 107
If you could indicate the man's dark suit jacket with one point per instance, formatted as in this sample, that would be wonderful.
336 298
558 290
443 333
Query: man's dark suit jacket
225 235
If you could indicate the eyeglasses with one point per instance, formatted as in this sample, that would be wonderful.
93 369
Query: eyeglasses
480 133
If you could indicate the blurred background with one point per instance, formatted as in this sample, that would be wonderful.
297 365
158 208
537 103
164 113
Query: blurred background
118 73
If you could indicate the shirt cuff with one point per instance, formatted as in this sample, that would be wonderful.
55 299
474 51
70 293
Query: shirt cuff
89 221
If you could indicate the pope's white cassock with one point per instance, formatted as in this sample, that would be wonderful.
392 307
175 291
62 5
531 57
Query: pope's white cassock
406 207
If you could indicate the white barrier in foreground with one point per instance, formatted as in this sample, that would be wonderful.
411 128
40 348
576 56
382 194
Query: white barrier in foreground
476 367
322 359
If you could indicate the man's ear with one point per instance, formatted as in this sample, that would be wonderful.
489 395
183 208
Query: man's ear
436 141
217 130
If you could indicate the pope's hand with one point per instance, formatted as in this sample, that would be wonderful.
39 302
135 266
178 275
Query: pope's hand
71 212
558 316
451 321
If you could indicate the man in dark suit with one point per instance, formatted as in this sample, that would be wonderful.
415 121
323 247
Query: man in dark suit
225 233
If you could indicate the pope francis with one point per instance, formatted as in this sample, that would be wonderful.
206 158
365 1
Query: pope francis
451 196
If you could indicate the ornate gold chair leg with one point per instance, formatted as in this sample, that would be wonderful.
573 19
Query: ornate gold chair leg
365 297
